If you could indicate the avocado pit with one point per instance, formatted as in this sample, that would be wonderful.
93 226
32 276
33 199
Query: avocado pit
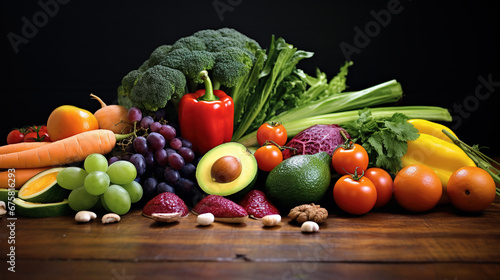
226 169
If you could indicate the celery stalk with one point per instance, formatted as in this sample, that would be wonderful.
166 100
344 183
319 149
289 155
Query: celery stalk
295 126
382 93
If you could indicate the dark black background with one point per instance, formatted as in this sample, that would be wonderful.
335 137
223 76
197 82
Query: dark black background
436 50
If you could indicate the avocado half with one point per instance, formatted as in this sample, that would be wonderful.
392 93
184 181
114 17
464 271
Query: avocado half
239 186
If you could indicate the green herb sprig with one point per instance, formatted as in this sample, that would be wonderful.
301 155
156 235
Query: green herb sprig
385 140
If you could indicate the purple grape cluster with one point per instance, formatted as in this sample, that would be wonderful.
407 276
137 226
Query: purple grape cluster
165 162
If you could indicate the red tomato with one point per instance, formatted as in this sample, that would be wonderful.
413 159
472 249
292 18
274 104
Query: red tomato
37 128
383 183
354 195
41 136
15 136
43 128
273 131
44 136
31 137
346 159
268 157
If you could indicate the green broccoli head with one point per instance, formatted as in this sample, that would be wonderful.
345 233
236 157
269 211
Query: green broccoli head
156 87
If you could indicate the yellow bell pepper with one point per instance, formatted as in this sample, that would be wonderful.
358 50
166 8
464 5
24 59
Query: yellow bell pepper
442 156
432 128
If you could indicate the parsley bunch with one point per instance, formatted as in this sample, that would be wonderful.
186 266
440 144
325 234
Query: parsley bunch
385 140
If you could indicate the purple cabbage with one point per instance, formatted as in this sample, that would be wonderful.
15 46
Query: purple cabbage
315 139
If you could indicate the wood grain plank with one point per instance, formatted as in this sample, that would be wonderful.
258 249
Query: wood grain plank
442 235
240 269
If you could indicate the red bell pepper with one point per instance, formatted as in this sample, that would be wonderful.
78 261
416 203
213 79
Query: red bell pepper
206 117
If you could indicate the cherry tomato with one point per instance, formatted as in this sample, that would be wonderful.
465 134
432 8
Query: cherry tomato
36 128
41 136
268 157
15 136
354 195
383 183
43 128
346 159
273 131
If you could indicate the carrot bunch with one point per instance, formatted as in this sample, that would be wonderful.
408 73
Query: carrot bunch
31 157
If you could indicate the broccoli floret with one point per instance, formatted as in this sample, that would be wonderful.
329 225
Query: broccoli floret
144 66
191 63
191 43
230 65
158 55
128 82
156 87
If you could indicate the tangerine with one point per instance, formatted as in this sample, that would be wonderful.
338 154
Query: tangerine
471 189
68 120
417 188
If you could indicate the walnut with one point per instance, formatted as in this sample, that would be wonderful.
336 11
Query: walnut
308 212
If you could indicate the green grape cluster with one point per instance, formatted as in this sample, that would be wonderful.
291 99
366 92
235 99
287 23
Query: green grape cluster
113 186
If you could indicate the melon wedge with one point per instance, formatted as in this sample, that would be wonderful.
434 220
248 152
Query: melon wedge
6 193
41 210
43 188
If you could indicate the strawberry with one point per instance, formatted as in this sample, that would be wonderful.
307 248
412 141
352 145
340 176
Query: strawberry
165 203
223 209
258 205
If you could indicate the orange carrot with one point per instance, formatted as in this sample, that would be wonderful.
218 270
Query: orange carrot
18 177
72 149
18 147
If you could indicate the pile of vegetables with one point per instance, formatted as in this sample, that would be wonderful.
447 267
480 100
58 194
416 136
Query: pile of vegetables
265 84
217 86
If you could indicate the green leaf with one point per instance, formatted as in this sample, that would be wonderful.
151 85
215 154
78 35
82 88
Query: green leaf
394 146
376 141
392 165
401 128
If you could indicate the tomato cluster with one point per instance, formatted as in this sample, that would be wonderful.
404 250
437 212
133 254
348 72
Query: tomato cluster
359 189
271 137
37 133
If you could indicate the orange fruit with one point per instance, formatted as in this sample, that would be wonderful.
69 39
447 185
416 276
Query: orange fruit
67 120
417 188
471 189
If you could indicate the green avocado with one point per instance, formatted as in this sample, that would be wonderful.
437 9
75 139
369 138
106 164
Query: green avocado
234 187
301 179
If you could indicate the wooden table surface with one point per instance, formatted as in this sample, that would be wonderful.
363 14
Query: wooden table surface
384 244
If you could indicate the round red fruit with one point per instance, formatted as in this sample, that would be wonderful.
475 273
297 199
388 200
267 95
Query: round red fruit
383 183
273 131
268 157
346 159
15 136
355 195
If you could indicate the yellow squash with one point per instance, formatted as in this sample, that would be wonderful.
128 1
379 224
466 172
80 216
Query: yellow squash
432 128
